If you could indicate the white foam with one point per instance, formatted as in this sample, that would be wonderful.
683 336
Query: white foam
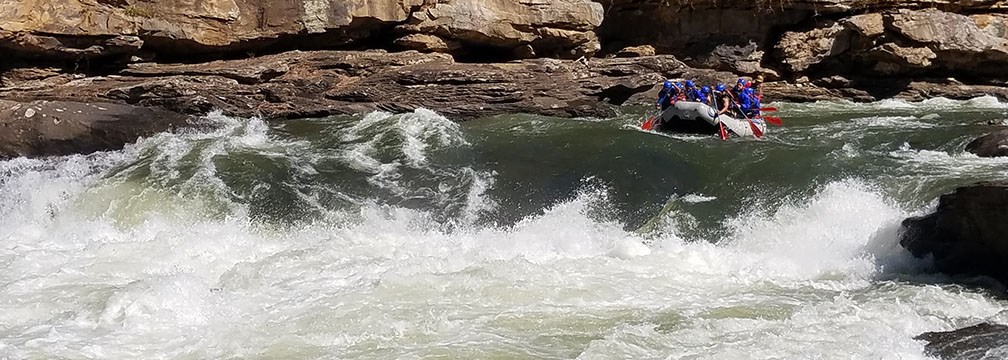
94 265
697 198
979 103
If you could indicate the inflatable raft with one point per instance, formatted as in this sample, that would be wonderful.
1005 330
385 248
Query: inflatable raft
699 118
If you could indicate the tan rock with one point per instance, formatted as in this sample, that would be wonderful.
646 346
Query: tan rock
867 25
426 43
636 51
946 31
993 24
800 50
549 26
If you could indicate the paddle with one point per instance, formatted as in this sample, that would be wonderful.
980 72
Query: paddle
773 120
721 131
649 124
755 129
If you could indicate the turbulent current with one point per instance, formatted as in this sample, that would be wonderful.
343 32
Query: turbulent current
412 236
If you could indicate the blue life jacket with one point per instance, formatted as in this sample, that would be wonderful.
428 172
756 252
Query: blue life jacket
700 97
664 94
745 103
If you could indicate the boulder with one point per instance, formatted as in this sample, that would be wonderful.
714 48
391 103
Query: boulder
636 51
42 128
866 25
945 31
739 59
990 145
981 341
561 28
967 234
958 43
800 50
893 59
426 43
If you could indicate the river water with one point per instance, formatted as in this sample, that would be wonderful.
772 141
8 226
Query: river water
411 236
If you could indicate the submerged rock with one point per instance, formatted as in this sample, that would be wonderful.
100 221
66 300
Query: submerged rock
981 341
42 128
967 234
990 145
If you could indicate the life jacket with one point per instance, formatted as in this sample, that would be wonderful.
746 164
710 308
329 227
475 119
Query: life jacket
755 104
664 94
745 102
700 97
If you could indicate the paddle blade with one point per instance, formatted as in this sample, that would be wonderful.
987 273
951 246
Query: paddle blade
755 129
773 120
649 124
769 108
723 132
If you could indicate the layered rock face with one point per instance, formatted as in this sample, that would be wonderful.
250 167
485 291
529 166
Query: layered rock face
822 38
119 29
967 234
317 83
901 43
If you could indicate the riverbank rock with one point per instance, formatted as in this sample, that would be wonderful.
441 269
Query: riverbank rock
990 145
981 341
318 83
42 128
967 234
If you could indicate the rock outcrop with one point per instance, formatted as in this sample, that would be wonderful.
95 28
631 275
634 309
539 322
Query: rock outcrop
903 42
317 83
40 128
967 234
990 145
981 341
75 30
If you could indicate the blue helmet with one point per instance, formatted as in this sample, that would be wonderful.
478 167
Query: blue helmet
678 85
749 91
741 81
719 87
705 90
689 83
667 85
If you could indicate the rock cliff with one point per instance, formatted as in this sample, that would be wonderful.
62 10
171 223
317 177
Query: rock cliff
116 30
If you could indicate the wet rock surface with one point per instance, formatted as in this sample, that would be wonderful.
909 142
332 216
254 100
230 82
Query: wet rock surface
967 234
990 145
40 128
981 341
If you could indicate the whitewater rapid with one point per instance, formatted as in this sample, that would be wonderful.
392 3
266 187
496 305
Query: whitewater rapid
376 237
